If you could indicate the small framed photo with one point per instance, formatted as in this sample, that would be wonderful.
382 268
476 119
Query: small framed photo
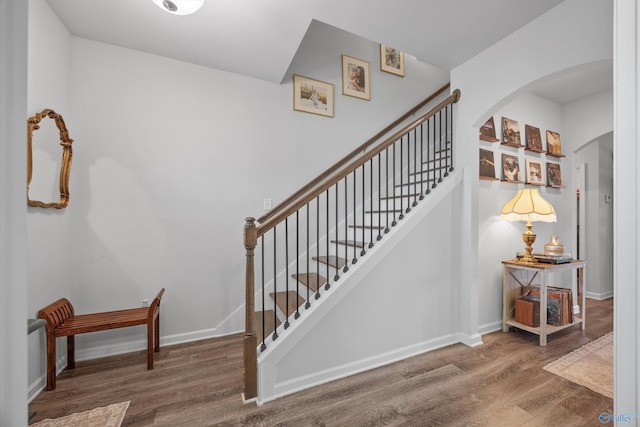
511 133
554 176
534 140
488 131
312 96
487 165
391 60
554 147
534 172
356 78
510 168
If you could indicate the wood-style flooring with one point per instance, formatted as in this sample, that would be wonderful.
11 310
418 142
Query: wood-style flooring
500 383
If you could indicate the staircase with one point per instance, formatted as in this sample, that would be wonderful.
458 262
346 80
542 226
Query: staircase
312 240
346 252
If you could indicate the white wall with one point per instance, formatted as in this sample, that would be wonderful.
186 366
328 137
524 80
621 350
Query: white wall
581 35
13 223
169 158
397 301
500 239
49 230
598 224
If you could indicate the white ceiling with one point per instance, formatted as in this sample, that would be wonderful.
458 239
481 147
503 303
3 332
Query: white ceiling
259 38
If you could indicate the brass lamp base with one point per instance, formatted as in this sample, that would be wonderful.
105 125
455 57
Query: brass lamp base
528 237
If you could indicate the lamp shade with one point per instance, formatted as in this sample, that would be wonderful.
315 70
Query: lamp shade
528 205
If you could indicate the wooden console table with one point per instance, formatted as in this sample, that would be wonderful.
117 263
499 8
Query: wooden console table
517 275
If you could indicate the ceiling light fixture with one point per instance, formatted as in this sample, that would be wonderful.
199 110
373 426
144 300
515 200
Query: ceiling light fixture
179 7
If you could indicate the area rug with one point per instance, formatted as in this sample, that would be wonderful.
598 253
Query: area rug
590 366
105 416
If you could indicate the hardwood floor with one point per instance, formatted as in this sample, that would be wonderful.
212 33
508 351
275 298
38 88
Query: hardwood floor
500 383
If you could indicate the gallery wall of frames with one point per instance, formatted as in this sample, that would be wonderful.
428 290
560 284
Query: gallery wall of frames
542 158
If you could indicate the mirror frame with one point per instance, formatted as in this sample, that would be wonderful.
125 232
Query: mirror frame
67 154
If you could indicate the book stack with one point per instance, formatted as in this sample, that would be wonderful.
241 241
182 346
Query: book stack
559 304
550 259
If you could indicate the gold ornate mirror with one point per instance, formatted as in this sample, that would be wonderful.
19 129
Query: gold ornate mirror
65 167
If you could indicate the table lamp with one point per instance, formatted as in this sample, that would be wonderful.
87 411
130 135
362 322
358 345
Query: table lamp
528 205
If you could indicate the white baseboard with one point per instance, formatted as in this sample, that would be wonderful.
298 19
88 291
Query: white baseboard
600 296
490 327
470 340
307 381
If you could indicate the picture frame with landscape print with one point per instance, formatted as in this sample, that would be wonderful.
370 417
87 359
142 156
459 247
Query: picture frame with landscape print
554 175
356 77
534 172
510 168
554 147
312 96
511 133
391 60
534 140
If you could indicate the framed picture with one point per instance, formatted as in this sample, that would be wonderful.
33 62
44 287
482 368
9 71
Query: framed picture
511 133
488 131
554 176
534 171
553 143
356 79
534 140
312 96
391 60
487 165
510 168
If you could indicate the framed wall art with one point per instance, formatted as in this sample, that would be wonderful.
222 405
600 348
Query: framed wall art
356 78
554 147
312 96
487 165
488 131
511 133
534 171
534 140
391 60
554 175
510 168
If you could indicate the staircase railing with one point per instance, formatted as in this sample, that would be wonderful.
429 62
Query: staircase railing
315 235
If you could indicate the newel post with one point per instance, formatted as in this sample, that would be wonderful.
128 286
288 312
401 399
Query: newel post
250 340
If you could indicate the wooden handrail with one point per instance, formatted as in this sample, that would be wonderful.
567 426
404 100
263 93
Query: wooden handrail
321 186
283 205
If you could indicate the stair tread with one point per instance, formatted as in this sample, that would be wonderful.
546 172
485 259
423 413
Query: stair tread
311 280
375 227
331 260
400 196
269 323
355 243
281 300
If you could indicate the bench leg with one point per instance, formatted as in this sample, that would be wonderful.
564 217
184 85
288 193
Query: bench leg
157 337
150 338
71 352
51 361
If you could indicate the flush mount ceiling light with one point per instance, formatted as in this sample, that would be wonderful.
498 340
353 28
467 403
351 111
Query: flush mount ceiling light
179 7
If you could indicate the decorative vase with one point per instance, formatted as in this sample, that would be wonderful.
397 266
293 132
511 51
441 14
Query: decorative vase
553 247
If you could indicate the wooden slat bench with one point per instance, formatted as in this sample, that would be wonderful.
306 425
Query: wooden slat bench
63 322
